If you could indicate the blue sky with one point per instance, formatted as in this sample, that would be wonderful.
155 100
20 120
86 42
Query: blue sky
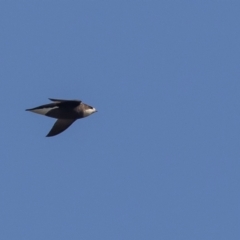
160 159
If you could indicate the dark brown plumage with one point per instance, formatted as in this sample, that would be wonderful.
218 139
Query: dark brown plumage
66 111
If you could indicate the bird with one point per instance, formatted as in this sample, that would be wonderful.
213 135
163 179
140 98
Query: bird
65 111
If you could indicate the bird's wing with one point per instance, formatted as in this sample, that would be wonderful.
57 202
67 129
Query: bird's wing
59 126
60 104
50 105
62 100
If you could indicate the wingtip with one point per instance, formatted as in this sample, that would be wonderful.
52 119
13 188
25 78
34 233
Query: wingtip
50 134
55 100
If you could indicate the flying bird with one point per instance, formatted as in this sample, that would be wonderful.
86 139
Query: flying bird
66 111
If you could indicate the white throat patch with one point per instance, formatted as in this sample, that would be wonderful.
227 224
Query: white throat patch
88 112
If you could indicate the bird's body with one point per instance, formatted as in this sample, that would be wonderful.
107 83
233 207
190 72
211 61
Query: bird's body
66 111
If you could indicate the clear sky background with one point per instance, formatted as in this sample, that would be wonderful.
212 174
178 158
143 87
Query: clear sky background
160 159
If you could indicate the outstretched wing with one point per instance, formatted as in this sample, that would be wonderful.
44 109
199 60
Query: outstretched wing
55 104
59 126
62 100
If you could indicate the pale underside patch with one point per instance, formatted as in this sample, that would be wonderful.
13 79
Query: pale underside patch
43 111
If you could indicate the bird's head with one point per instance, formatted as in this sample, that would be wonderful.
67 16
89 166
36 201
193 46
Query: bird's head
89 110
